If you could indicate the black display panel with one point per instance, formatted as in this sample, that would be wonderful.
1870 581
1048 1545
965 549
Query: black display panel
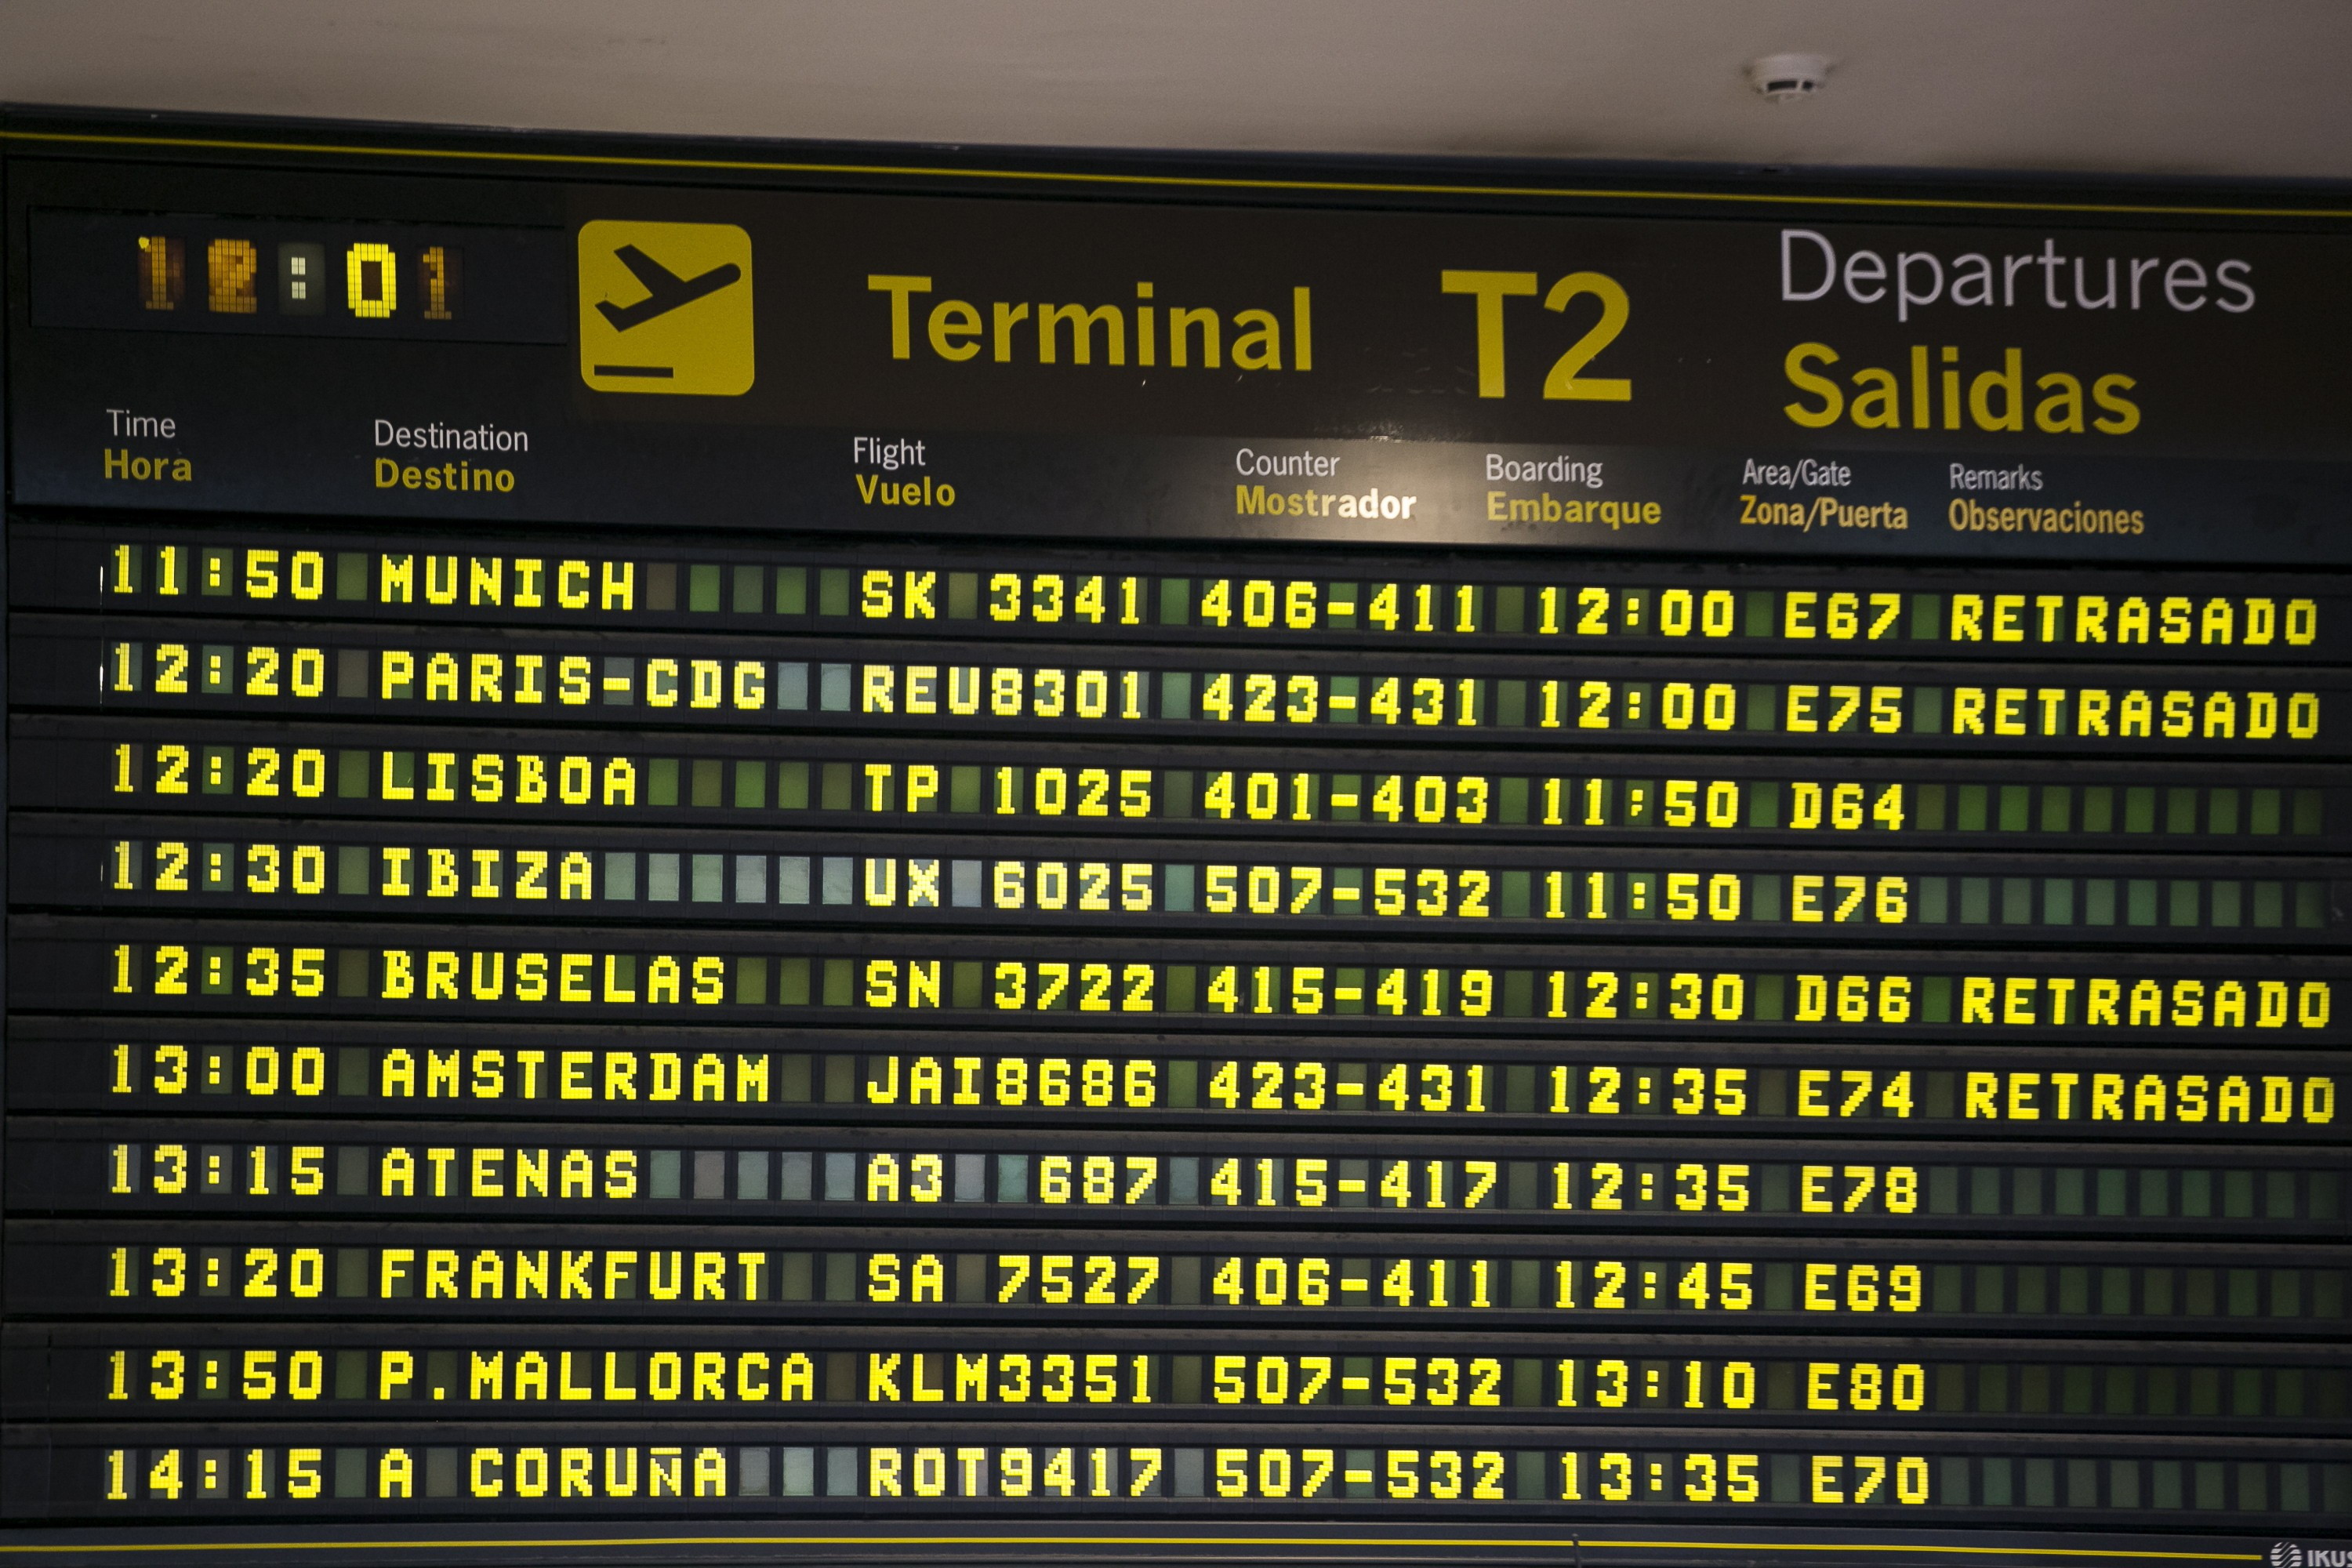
716 854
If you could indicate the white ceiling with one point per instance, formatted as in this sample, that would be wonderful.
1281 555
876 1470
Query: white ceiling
2202 86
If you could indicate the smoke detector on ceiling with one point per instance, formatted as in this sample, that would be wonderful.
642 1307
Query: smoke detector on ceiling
1784 78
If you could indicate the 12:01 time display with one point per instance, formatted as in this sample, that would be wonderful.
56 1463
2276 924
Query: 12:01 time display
309 277
363 280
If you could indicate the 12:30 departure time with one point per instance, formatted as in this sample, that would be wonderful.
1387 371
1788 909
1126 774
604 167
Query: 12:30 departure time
835 882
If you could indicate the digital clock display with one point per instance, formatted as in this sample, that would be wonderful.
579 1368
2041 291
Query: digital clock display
176 273
233 269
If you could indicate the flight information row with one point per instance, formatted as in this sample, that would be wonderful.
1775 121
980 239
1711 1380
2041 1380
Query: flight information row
234 1372
712 1473
2143 616
772 684
758 879
191 1269
69 963
140 1166
337 771
2242 1097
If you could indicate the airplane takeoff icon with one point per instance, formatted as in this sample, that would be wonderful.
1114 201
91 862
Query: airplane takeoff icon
664 290
652 345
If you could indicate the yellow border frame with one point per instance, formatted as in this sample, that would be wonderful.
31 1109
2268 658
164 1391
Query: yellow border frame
1173 182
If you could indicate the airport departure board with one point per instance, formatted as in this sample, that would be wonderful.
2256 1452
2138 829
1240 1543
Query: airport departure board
752 854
